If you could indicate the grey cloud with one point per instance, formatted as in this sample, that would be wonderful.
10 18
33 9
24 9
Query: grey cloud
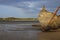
6 2
36 3
32 5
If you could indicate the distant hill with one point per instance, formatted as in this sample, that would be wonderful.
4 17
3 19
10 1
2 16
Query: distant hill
18 19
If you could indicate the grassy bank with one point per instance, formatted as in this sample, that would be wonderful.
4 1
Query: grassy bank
18 19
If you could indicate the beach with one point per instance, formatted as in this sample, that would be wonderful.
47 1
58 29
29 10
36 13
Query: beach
25 31
18 31
53 35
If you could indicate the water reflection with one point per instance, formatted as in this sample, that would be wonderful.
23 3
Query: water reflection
6 34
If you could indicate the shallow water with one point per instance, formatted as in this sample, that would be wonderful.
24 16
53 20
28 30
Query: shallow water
6 34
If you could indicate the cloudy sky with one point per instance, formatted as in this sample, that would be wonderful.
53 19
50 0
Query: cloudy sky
26 8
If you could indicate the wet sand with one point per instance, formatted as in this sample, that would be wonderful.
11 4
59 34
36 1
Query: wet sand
19 35
5 34
15 31
50 35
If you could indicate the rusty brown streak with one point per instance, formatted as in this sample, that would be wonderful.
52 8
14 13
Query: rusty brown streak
54 15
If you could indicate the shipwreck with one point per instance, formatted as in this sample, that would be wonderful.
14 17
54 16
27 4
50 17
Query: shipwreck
49 20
